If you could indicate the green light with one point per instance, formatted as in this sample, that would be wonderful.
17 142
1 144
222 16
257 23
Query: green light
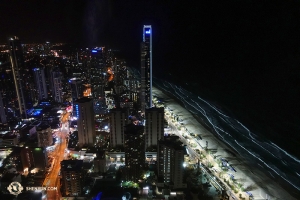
37 149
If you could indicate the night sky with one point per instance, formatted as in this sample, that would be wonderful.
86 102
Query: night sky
241 53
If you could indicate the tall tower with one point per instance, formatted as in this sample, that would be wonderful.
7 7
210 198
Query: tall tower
17 62
40 82
146 68
86 122
56 82
96 74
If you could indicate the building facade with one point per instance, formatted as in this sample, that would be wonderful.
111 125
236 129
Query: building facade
134 151
40 82
28 158
17 62
171 153
72 177
154 126
85 122
146 68
77 93
2 111
56 82
118 120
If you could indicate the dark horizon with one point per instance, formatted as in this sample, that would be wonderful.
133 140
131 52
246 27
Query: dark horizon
244 55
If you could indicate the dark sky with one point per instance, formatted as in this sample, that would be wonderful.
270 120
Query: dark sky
247 52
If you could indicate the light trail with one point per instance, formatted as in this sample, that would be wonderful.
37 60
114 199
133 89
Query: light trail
269 166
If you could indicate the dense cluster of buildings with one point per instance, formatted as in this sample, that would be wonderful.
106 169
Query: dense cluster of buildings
112 122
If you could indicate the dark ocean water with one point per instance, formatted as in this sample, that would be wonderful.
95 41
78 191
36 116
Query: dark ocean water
269 109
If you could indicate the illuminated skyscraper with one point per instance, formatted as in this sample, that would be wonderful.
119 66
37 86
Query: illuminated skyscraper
56 83
76 88
86 122
17 62
40 82
146 68
77 92
96 74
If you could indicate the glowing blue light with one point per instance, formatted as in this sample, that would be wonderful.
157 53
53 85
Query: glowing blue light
98 197
94 51
148 32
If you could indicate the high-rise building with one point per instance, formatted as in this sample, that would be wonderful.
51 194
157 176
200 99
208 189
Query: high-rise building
17 62
134 148
72 177
96 74
77 92
118 120
146 68
170 162
85 122
76 88
56 82
2 111
40 82
154 126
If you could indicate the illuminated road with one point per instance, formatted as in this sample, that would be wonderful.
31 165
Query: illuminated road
53 180
251 156
65 117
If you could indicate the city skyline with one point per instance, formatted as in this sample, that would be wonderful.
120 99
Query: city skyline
121 85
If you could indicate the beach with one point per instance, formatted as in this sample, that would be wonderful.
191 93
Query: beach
255 179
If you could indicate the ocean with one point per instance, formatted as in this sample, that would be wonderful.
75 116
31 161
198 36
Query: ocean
253 140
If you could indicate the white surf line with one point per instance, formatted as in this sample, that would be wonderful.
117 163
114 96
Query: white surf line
249 132
271 174
212 106
264 148
294 158
269 167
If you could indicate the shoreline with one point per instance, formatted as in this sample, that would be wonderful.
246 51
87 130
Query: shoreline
255 177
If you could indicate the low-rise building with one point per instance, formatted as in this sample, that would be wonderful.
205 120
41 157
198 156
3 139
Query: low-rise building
44 136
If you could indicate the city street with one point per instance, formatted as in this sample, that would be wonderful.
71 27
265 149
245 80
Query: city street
53 179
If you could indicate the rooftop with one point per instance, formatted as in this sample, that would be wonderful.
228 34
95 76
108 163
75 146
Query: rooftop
84 100
172 142
71 165
133 129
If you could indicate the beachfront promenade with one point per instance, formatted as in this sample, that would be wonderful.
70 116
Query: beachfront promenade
238 176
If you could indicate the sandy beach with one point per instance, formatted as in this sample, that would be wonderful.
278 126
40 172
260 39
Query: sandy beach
254 180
